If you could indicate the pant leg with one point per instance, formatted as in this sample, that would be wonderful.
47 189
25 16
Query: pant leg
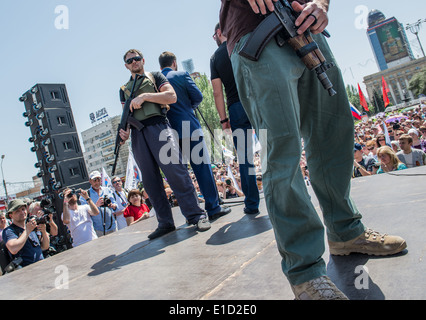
242 129
151 177
165 150
268 92
277 94
200 163
328 129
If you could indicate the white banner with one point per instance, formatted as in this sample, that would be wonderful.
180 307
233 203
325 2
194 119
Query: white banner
133 173
106 180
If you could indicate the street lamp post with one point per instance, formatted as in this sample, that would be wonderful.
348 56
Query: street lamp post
4 182
415 28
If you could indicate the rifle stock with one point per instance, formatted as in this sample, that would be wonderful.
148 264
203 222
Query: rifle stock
281 25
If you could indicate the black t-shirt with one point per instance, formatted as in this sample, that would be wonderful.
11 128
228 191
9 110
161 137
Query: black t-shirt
220 67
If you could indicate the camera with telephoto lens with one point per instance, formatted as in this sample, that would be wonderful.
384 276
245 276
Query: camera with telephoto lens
72 192
44 219
107 202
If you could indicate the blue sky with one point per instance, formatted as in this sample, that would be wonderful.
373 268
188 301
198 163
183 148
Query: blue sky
87 57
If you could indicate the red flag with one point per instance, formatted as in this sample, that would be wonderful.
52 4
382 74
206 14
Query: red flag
362 99
385 91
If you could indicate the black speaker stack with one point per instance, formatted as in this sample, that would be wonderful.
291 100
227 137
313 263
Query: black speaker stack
55 142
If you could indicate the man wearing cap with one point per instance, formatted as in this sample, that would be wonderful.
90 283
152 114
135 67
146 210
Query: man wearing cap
104 223
20 237
363 165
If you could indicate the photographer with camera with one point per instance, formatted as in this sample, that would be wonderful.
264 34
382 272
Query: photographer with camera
104 223
78 217
44 209
20 237
231 191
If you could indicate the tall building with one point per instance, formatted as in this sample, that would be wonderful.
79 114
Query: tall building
397 78
394 58
99 144
388 41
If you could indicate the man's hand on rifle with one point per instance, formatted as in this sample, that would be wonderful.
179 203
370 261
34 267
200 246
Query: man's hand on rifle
261 5
124 135
137 102
313 15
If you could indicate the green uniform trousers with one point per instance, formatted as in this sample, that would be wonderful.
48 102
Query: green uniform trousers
282 96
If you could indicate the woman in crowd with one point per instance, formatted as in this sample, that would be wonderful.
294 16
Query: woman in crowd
389 161
381 140
136 210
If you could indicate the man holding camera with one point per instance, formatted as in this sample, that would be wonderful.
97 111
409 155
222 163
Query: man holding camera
37 209
78 218
104 223
20 237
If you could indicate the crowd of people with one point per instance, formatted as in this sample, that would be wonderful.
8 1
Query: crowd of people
379 146
389 143
294 111
98 211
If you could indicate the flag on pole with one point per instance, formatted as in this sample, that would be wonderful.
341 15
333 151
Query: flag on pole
256 143
106 180
386 134
133 173
227 153
231 175
385 91
362 99
355 113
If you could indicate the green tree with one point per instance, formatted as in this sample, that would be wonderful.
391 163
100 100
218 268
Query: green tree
208 106
353 96
207 114
378 101
417 84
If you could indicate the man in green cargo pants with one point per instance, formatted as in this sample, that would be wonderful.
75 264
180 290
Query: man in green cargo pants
281 95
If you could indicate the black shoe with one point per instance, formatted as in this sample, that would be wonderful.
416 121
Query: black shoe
159 232
223 211
251 211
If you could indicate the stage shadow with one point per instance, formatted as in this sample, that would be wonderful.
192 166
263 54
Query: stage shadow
350 275
248 226
142 251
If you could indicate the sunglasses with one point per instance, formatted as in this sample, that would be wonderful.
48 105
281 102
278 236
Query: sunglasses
130 60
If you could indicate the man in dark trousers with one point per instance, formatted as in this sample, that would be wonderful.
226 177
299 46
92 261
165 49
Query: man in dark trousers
154 147
221 74
184 122
281 95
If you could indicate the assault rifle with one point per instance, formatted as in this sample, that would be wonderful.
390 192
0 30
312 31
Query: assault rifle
126 119
281 25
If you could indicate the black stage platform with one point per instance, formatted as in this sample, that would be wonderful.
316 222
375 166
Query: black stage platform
237 258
